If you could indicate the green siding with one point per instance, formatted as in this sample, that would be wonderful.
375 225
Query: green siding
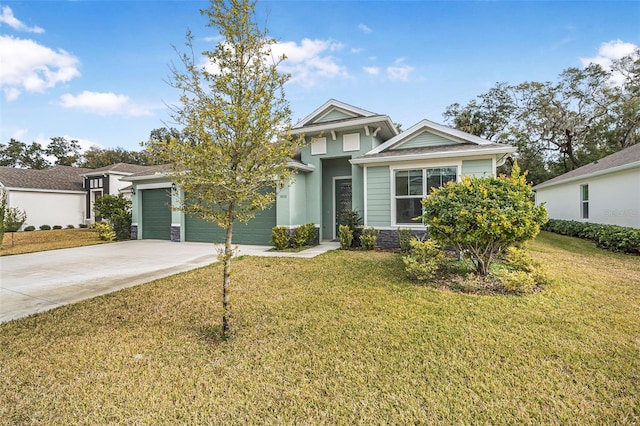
378 196
257 231
336 114
477 168
424 139
156 214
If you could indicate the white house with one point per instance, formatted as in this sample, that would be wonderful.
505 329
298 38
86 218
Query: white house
606 191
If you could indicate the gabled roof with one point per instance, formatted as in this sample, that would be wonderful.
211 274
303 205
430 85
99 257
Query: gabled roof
117 169
336 115
627 158
149 172
58 178
458 143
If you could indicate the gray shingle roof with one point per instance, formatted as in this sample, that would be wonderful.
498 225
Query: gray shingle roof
124 168
461 147
63 178
625 157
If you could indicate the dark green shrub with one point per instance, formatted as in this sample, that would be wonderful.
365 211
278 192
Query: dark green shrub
404 239
280 237
353 220
29 228
369 238
609 237
83 226
117 211
57 226
44 227
345 235
70 227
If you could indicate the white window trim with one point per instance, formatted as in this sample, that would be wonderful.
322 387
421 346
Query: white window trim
318 146
583 201
416 166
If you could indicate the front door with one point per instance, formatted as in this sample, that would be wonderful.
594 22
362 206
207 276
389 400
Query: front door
342 202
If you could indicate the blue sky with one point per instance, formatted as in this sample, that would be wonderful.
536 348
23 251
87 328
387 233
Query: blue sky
96 71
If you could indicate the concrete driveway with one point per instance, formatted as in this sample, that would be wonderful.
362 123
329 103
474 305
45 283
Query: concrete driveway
36 282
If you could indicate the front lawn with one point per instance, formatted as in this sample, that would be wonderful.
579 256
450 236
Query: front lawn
340 339
33 241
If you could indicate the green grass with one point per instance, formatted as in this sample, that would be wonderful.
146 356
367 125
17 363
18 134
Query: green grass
34 241
340 339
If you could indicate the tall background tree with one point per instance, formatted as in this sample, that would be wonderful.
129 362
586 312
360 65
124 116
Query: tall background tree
235 147
587 114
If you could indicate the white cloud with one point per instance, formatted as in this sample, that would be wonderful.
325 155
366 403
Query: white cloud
609 52
27 65
356 49
400 71
371 70
6 17
309 61
103 104
364 28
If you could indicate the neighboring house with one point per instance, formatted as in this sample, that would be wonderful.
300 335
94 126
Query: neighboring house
606 191
51 197
353 159
106 180
63 195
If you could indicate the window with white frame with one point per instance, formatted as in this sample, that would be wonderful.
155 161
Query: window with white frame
584 201
412 186
318 146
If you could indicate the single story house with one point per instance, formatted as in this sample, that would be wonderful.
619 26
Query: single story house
352 159
606 191
63 195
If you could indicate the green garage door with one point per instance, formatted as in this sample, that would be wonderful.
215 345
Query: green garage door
156 214
257 231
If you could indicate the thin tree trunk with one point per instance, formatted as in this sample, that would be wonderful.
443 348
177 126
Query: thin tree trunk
227 329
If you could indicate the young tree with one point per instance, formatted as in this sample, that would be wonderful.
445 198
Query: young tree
483 216
236 121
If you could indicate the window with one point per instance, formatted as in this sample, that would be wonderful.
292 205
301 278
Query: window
412 186
584 201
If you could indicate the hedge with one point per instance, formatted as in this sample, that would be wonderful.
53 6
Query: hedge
610 237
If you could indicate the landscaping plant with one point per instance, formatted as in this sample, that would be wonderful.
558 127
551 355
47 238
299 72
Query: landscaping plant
369 238
345 235
483 216
280 237
116 210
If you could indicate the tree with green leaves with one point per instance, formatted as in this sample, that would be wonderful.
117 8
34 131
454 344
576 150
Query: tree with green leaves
116 209
19 154
483 216
66 152
96 157
236 121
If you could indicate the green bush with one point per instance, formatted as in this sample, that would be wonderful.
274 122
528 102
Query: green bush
280 237
609 237
83 225
518 259
70 227
303 235
345 235
404 239
44 227
483 216
57 226
117 211
518 281
29 228
423 260
369 238
353 220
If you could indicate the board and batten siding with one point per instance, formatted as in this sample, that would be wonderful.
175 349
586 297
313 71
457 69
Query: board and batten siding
477 168
378 196
424 139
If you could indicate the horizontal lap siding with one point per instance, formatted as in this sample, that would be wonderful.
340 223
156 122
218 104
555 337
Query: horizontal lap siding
477 168
378 196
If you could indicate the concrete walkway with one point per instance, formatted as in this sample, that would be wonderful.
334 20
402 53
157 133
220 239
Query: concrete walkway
36 282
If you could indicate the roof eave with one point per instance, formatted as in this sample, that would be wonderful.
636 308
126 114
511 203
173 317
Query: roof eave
362 121
434 155
635 164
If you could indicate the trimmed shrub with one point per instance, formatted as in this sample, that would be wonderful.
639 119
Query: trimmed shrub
57 226
369 238
44 227
345 235
404 239
70 227
423 260
518 281
280 237
105 231
353 220
518 259
609 237
83 226
29 228
303 235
